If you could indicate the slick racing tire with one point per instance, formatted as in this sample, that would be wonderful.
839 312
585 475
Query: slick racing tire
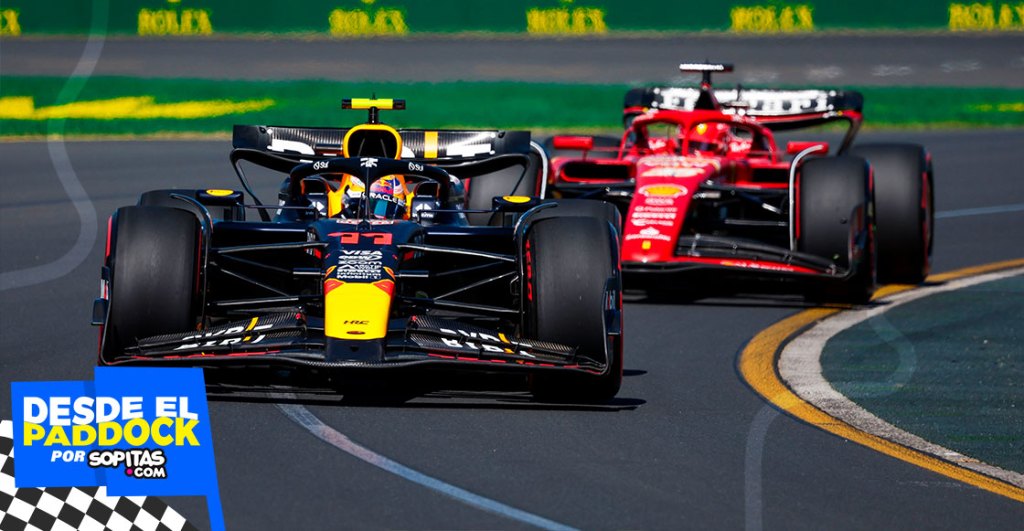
165 198
835 199
572 266
904 210
154 257
215 209
589 208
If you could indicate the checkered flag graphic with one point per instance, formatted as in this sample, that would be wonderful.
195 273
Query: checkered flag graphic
70 509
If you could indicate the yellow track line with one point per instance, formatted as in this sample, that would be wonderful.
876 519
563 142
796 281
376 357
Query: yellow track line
757 365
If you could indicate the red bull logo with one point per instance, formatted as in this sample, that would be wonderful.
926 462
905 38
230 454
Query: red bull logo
385 185
387 198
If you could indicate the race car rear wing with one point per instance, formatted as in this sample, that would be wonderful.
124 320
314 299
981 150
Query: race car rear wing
469 153
777 109
421 145
772 106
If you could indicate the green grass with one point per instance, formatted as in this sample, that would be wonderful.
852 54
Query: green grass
507 105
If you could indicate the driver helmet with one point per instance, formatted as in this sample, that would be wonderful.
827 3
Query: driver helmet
709 139
388 198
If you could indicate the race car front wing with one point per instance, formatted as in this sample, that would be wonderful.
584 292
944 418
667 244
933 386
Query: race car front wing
704 252
295 339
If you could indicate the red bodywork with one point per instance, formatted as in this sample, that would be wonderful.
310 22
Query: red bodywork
668 160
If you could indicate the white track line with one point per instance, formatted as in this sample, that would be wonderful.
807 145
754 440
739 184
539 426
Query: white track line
303 417
800 367
87 227
753 468
964 212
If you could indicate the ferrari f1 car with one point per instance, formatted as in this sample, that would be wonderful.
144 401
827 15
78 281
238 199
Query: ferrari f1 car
703 185
369 262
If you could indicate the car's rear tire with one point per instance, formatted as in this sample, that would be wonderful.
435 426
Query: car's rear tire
834 194
573 274
904 210
154 257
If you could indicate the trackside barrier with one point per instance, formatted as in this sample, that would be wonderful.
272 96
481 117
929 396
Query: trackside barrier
357 18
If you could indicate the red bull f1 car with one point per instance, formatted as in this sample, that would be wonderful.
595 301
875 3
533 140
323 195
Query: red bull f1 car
703 185
370 261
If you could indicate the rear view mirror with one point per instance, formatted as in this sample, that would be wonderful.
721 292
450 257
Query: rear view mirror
582 143
796 147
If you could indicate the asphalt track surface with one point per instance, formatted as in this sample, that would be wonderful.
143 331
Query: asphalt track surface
685 445
960 60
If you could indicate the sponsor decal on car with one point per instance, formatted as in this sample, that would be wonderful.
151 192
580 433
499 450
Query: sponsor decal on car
747 264
646 222
672 172
672 161
649 233
655 208
370 221
359 264
663 190
663 212
657 202
251 334
671 215
477 341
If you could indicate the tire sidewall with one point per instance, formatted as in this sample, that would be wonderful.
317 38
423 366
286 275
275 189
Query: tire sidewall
904 203
154 262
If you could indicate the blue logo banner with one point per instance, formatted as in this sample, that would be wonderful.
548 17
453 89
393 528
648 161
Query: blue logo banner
137 431
51 457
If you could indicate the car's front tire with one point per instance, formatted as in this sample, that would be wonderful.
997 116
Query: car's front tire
835 201
572 278
154 262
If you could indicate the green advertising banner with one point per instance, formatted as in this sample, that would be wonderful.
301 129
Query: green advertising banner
358 18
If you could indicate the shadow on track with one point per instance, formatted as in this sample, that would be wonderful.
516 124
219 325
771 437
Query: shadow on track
740 293
452 392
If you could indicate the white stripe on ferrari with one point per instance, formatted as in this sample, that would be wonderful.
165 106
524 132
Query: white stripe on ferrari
303 417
